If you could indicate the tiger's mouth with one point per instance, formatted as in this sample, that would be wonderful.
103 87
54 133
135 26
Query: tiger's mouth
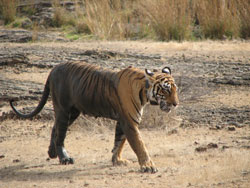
164 106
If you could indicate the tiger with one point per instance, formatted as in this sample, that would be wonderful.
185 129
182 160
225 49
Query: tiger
79 87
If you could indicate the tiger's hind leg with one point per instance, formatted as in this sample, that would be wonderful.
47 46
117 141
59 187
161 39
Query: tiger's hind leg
58 135
52 147
120 140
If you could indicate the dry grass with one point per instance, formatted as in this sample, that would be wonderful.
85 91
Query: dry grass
170 19
61 15
243 7
158 19
8 10
108 19
218 19
35 29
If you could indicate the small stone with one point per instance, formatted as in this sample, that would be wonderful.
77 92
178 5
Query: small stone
196 143
231 128
219 127
201 149
225 147
212 145
173 131
16 161
86 184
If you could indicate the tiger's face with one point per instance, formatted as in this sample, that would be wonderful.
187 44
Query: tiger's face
162 89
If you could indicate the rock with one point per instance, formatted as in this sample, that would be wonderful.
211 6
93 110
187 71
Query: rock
16 161
201 149
235 124
173 131
15 35
225 147
196 143
217 127
13 59
86 184
246 147
212 145
2 156
231 128
205 148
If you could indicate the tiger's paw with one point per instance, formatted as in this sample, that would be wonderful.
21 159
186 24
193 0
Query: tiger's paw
120 162
148 169
66 161
52 152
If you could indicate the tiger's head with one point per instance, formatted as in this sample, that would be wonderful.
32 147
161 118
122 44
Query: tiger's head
161 89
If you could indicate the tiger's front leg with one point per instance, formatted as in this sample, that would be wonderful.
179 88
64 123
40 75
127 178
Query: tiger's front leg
134 138
120 140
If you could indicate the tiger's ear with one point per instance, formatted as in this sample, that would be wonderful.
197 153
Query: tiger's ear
148 72
166 70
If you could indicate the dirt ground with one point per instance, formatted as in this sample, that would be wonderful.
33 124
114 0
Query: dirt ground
205 142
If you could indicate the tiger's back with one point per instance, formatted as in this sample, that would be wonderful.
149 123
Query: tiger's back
93 90
101 92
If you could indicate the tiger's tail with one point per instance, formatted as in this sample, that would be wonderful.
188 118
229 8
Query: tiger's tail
39 106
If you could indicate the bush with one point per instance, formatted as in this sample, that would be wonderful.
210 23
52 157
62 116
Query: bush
23 22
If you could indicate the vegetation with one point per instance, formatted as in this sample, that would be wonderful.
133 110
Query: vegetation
8 10
218 19
169 19
154 19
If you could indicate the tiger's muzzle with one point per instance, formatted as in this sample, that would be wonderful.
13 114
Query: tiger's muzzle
164 105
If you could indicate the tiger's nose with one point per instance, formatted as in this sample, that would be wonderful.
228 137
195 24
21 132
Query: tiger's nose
175 104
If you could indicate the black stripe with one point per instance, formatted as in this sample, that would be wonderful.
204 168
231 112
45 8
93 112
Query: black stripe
154 91
123 73
133 119
94 91
84 84
111 78
137 110
131 74
140 78
86 75
141 96
162 79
